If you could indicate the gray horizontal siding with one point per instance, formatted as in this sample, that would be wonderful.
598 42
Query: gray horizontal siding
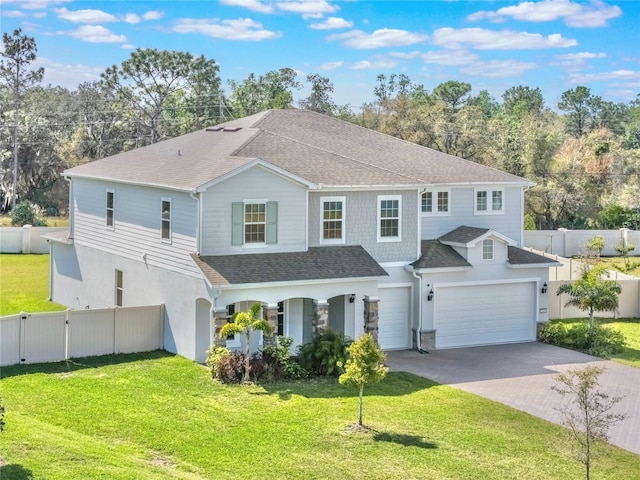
136 223
257 184
361 223
462 206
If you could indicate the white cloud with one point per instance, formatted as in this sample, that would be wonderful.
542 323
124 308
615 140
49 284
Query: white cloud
405 55
254 5
12 13
482 39
385 37
240 29
330 66
153 15
332 23
499 68
581 56
617 75
308 8
595 14
95 34
67 75
34 4
127 46
450 57
85 16
374 65
131 18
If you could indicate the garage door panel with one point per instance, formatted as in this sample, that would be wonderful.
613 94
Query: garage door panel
484 314
394 318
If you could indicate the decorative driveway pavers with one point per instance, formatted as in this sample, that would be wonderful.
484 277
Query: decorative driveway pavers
521 376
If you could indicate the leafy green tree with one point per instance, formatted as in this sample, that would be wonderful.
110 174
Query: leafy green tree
576 103
592 293
595 245
453 94
147 79
624 248
364 366
319 100
273 90
588 412
18 52
244 323
521 99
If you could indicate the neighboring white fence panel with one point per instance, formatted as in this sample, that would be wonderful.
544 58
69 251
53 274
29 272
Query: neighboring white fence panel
26 239
569 243
43 337
10 340
629 302
57 336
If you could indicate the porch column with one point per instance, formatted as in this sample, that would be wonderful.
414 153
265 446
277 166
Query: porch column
371 316
220 316
320 317
270 312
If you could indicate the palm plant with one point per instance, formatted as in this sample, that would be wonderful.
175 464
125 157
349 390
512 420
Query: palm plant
243 323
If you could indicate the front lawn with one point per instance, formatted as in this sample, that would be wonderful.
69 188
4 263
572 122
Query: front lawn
158 416
630 327
618 263
24 284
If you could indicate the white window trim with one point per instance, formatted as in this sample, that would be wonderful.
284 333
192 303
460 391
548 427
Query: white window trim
434 203
398 238
113 209
333 241
162 220
493 249
246 244
489 210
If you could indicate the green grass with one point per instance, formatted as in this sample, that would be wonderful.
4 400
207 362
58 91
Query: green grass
158 416
5 221
630 327
618 263
24 284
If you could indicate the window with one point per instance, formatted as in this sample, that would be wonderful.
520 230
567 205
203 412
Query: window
332 219
119 287
110 207
232 340
489 202
255 223
280 319
441 199
165 229
487 249
389 218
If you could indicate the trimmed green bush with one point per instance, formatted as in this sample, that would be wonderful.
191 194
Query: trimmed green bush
27 213
324 353
600 341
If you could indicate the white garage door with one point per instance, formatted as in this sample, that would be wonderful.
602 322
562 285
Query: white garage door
394 331
484 314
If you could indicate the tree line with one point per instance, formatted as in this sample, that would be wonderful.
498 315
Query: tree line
583 153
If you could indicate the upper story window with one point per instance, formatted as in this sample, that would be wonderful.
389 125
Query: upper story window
110 208
333 219
436 202
489 202
119 287
487 249
389 211
165 219
255 222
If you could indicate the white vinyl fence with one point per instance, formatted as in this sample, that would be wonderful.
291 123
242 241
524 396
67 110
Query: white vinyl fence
629 302
57 336
569 243
26 239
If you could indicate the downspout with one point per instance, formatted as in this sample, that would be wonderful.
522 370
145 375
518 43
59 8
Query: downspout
198 226
71 208
524 189
419 331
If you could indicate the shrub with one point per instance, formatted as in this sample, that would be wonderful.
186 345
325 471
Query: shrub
322 355
600 341
226 366
27 213
278 364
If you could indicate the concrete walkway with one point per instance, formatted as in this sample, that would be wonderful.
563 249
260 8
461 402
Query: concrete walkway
521 376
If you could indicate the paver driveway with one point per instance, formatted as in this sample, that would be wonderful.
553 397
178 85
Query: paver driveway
521 376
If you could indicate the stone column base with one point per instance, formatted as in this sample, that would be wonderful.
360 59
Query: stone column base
427 339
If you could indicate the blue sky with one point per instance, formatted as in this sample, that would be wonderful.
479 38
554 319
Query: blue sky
555 45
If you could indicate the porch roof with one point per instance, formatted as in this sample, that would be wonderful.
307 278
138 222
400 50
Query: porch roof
317 263
437 255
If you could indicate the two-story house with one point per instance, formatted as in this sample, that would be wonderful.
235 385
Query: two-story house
325 223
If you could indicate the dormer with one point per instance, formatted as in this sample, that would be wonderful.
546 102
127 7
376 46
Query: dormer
479 246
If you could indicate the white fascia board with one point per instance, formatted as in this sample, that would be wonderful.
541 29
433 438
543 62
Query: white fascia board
422 271
161 186
245 286
263 164
534 265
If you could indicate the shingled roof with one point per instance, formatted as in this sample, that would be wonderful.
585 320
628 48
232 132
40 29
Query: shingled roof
318 263
436 255
317 148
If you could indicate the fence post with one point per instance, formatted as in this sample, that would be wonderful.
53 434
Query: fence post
26 239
